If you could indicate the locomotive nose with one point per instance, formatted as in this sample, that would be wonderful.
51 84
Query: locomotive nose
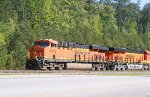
36 51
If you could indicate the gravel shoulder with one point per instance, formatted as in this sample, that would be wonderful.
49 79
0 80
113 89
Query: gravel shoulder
75 72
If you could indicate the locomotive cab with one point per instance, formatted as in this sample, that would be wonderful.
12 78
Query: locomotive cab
40 48
147 56
42 43
39 52
46 43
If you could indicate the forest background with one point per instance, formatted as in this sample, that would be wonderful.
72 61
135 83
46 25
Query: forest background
113 23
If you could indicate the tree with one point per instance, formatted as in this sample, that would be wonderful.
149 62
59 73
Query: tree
145 18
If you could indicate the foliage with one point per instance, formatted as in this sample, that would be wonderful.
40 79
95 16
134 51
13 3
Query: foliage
113 23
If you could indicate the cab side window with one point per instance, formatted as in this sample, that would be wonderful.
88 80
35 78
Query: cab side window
53 45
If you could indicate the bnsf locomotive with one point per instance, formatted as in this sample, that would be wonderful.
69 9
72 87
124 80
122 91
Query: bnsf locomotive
51 54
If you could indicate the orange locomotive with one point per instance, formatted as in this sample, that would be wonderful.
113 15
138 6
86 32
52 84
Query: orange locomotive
51 54
123 59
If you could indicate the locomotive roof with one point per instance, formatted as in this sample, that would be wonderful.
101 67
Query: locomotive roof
117 49
81 46
148 52
126 50
135 51
99 47
74 45
48 40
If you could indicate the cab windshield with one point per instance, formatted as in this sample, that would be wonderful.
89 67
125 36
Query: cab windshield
42 43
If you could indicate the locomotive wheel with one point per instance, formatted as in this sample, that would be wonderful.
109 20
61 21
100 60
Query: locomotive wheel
143 68
104 69
56 68
116 69
93 68
49 68
65 66
60 68
98 69
122 69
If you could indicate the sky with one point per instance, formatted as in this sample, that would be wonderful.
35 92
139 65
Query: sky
143 2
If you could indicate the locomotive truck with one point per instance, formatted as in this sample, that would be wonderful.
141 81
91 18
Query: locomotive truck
51 54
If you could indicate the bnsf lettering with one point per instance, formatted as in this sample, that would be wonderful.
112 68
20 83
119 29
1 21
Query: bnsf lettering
130 56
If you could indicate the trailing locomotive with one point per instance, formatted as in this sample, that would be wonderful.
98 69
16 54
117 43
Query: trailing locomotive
51 54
